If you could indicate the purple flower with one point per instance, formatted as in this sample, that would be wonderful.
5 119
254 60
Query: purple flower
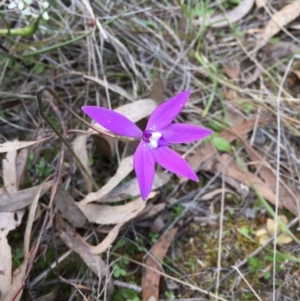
154 143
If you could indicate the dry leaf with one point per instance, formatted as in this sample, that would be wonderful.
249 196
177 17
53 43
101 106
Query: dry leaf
76 243
112 215
131 188
288 196
150 278
18 278
238 129
20 199
30 221
230 168
107 241
230 17
232 72
15 145
10 220
264 234
261 3
48 297
281 18
68 208
126 166
80 149
5 266
21 165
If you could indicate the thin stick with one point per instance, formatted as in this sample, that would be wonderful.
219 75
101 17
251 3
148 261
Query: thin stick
66 143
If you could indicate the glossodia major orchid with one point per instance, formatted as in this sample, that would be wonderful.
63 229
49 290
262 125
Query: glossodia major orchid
156 140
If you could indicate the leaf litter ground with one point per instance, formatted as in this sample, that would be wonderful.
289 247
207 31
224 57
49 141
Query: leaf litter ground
212 240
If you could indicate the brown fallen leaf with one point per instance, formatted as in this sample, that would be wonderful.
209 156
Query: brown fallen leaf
230 17
80 148
207 151
231 169
288 195
125 167
48 297
232 72
68 208
77 244
150 278
11 202
112 215
281 18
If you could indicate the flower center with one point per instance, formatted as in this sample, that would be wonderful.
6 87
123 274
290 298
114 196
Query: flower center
151 138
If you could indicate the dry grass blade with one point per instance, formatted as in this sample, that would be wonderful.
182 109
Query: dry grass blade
230 17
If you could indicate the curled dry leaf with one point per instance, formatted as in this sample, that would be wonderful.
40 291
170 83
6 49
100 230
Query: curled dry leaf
21 163
281 18
131 188
230 17
68 208
150 278
107 241
80 149
126 166
112 215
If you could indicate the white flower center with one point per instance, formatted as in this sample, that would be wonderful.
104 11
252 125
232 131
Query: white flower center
154 139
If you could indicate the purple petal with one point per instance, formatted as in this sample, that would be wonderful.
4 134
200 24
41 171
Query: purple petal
164 114
144 165
184 133
113 121
173 162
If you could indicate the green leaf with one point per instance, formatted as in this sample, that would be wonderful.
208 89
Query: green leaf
222 144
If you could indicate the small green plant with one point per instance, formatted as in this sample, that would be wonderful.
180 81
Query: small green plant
17 255
118 271
153 236
170 295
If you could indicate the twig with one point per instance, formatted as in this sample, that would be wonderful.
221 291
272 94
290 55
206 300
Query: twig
66 143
